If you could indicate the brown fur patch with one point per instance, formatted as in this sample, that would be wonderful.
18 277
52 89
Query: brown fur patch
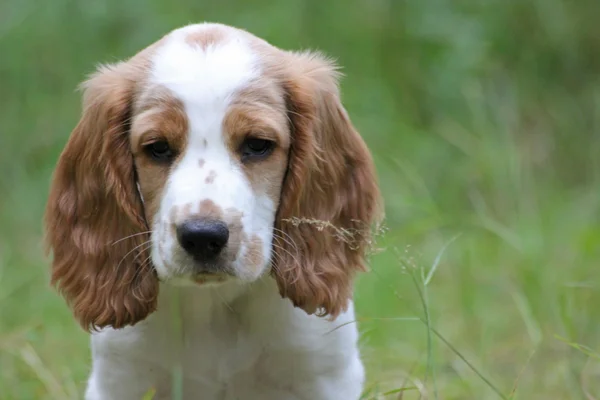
208 209
210 178
95 222
160 117
206 37
259 111
331 178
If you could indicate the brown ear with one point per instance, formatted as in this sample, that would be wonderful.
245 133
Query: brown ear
94 216
330 196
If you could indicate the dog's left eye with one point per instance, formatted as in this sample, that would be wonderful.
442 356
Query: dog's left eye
253 147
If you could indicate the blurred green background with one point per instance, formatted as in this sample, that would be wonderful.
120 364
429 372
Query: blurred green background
484 119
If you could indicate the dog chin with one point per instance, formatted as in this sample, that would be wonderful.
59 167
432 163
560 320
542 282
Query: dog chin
197 279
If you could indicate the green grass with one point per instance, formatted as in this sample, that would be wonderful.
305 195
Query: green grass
483 117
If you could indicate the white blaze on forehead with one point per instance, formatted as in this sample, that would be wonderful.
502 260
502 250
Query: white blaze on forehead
201 75
204 78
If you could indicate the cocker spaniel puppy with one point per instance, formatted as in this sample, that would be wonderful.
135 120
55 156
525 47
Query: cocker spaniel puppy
206 219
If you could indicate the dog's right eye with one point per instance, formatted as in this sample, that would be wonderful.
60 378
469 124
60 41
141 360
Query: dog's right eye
160 151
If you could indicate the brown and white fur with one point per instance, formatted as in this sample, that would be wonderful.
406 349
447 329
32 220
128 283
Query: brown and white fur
207 217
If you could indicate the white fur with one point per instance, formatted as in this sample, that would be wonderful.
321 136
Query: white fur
239 339
234 342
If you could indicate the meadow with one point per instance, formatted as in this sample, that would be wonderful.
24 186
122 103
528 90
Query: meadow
484 120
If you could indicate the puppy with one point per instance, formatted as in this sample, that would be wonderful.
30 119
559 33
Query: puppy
207 217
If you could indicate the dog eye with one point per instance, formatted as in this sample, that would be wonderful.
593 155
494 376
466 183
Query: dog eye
160 151
256 148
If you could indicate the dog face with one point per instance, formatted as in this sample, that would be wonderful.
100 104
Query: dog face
209 156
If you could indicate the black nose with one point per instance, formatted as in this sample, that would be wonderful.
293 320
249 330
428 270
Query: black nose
203 239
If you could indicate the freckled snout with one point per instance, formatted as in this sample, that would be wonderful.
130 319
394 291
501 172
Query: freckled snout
203 239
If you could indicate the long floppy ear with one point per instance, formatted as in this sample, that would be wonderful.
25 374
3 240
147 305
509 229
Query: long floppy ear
94 218
330 196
